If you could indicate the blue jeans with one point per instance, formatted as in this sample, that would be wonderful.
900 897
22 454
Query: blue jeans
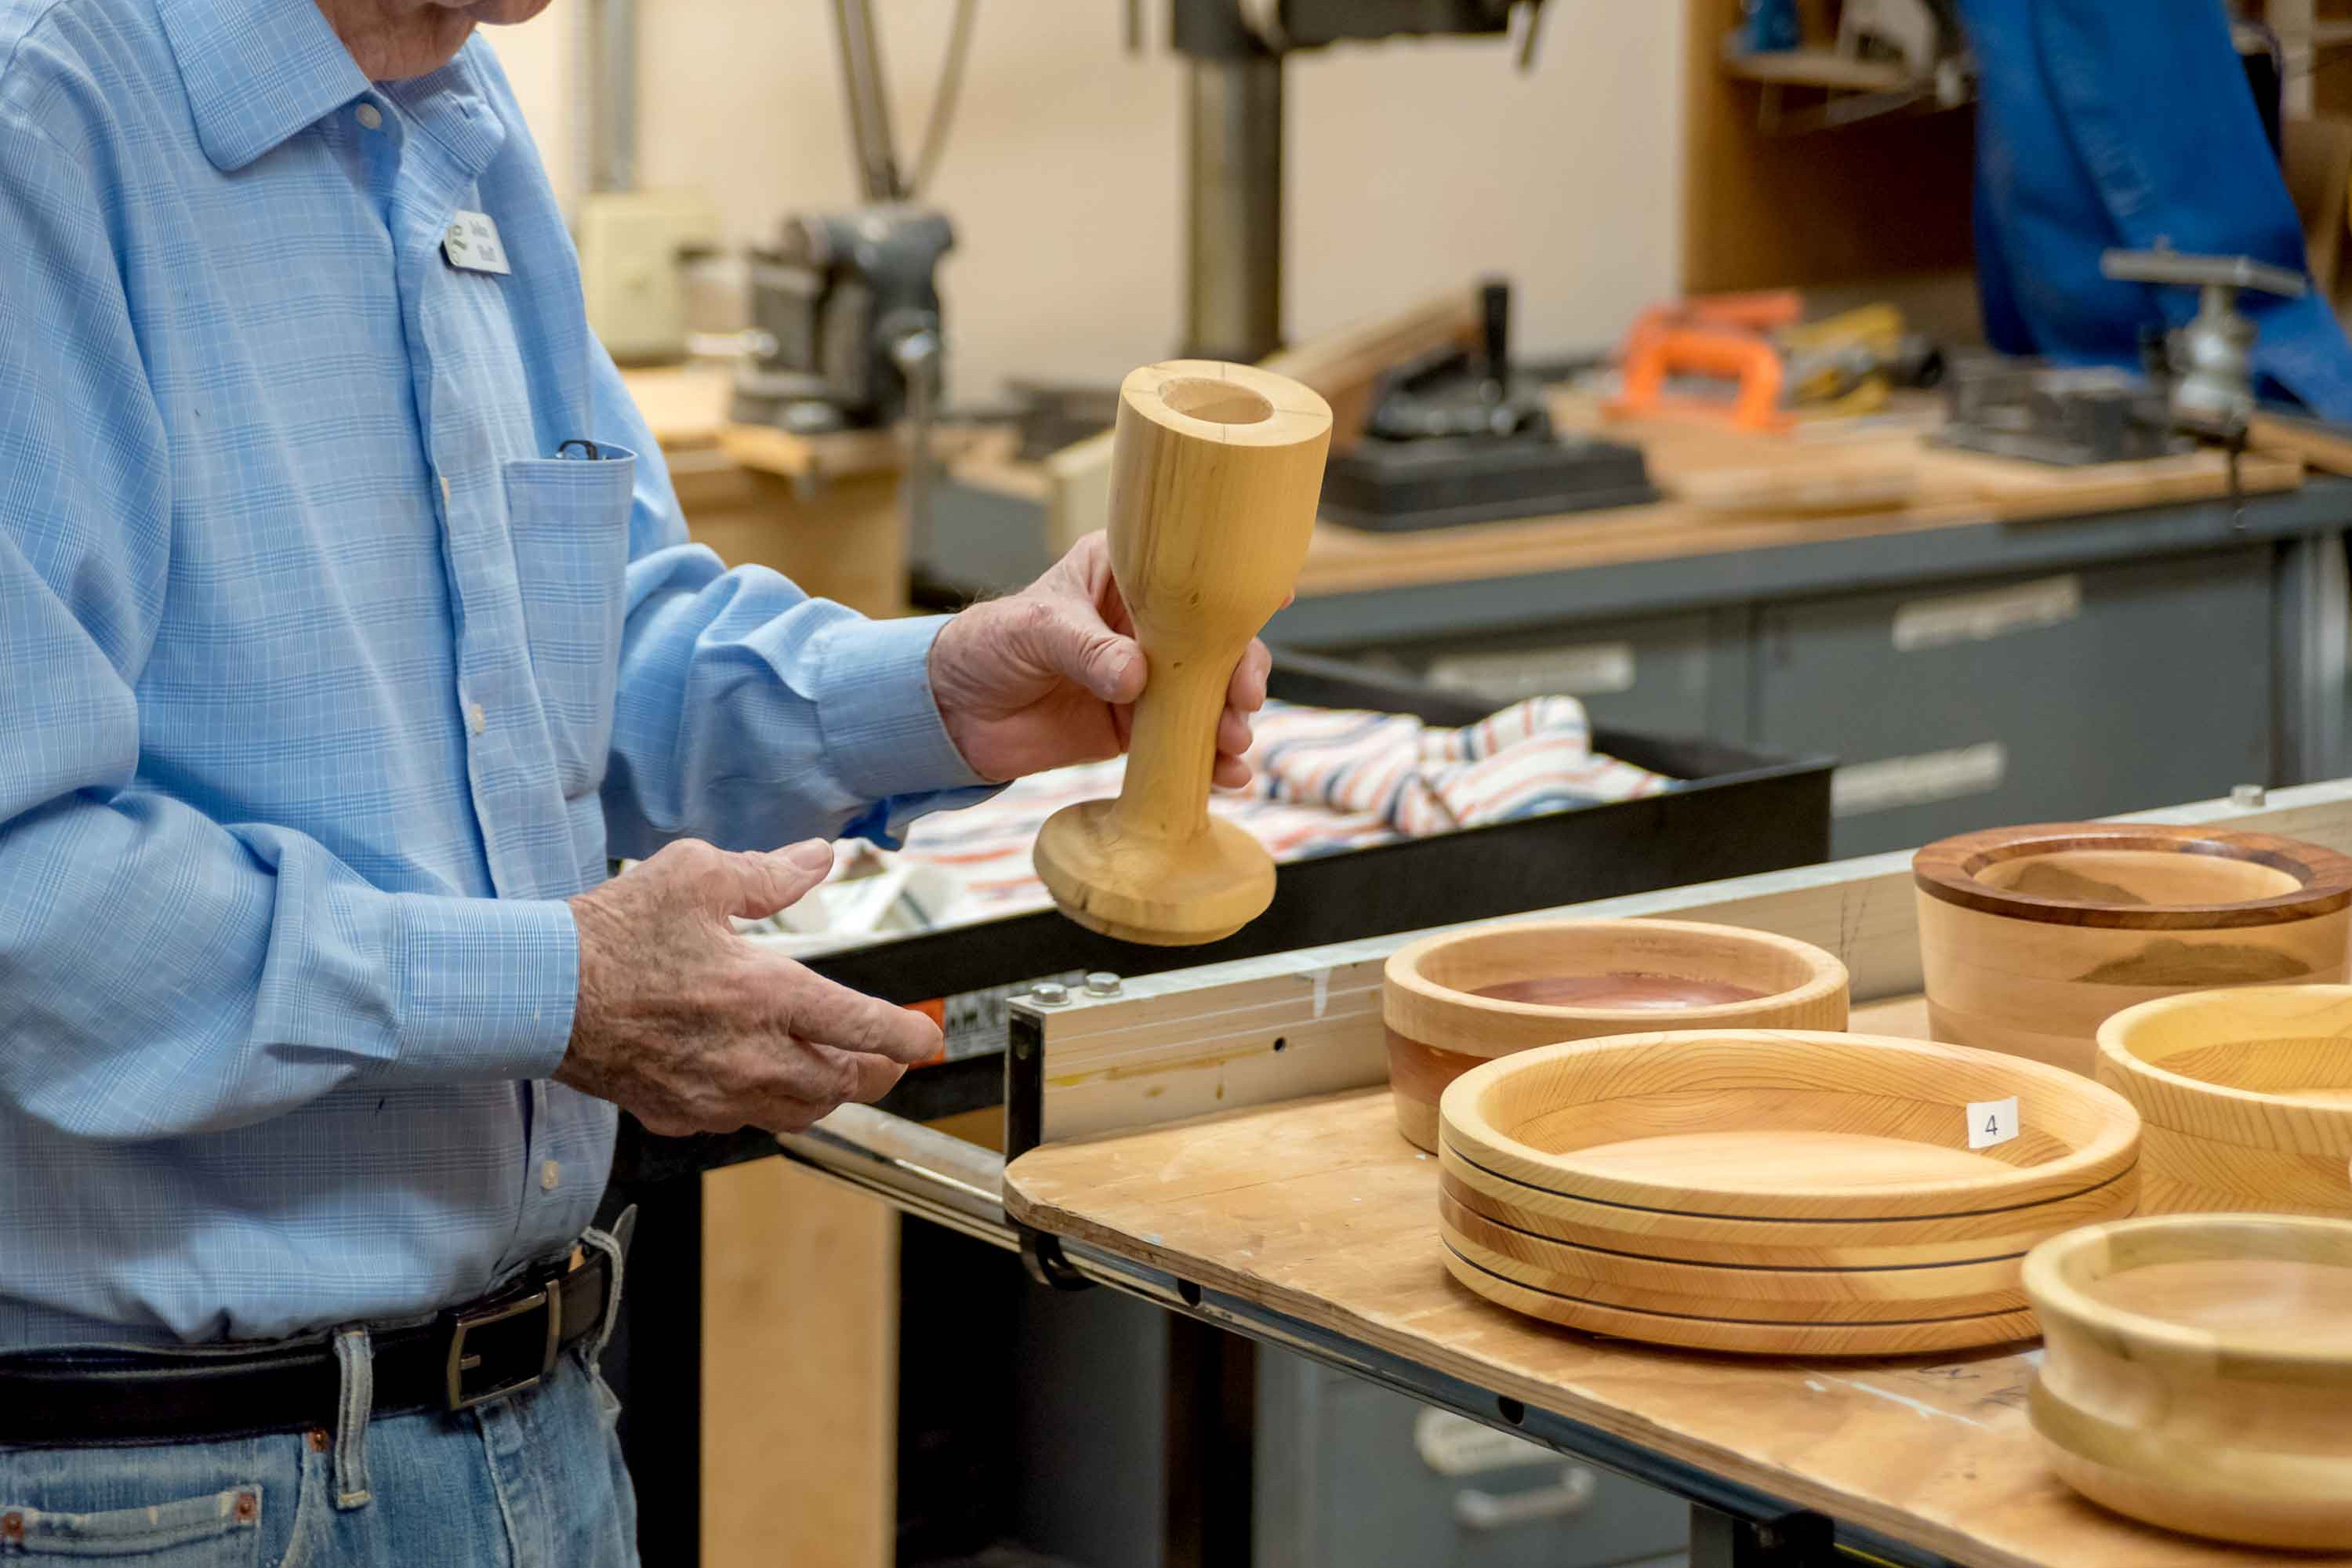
532 1481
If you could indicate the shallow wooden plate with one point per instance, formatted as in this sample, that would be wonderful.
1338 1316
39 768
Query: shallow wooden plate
1786 1125
1779 1244
1742 1336
2199 1372
1794 1295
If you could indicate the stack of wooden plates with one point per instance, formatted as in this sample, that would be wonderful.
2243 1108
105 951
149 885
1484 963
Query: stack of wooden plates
1773 1192
2199 1372
2031 937
1456 1000
2244 1097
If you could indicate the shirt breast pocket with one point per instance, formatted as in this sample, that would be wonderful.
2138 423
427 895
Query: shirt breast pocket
569 520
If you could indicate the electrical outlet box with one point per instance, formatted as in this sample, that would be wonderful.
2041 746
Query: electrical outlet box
631 268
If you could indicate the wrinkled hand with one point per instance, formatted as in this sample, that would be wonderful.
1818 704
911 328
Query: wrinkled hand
694 1029
1050 676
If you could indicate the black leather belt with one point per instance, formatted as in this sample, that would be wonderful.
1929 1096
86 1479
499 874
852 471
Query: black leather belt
468 1355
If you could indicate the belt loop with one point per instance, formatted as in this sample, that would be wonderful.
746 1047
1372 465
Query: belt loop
614 1245
356 1356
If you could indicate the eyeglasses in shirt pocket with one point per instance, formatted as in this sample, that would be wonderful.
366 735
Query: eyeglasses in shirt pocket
569 520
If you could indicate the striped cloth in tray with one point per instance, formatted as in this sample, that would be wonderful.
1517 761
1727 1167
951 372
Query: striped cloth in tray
1325 780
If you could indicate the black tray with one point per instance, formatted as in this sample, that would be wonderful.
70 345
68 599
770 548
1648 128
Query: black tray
1737 812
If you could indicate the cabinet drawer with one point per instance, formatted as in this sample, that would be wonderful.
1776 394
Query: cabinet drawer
2029 699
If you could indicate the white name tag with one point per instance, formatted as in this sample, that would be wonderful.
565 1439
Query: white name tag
472 244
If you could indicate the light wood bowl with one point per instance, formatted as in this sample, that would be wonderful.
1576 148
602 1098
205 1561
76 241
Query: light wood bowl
2031 937
1864 1244
1778 1295
1439 1027
2245 1098
2199 1372
1785 1126
1738 1335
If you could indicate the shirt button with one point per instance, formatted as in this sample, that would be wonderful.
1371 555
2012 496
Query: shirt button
369 116
476 718
445 489
551 1176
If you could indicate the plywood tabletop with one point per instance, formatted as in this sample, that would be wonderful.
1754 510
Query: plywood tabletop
1721 486
1318 1209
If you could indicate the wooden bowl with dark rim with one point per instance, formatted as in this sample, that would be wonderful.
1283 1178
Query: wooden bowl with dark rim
2031 937
2244 1097
2198 1373
1457 999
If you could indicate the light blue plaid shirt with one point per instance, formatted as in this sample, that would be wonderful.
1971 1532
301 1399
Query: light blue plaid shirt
326 679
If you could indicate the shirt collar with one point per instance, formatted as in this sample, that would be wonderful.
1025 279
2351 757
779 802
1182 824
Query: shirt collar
257 71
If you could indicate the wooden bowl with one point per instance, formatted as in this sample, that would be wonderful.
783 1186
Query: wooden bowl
1739 1335
1695 1290
1864 1244
1784 1126
2031 937
1456 1000
2199 1372
2245 1098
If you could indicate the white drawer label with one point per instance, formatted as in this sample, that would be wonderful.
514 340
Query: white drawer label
1581 669
1991 1121
1975 617
1861 787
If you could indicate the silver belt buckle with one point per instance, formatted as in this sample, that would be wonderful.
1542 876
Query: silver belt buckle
548 1297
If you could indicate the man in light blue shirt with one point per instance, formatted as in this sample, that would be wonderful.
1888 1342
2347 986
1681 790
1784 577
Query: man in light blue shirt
348 626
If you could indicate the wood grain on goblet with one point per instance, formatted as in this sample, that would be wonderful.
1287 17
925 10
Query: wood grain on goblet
1216 472
1794 1125
1453 1000
2030 937
2199 1372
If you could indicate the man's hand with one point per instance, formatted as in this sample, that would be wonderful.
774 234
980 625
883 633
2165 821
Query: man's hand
695 1029
1050 675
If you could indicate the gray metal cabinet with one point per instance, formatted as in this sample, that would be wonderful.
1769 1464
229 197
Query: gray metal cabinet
2053 697
1353 1476
1665 675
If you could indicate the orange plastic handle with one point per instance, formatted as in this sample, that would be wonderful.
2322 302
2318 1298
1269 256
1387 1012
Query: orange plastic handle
1755 405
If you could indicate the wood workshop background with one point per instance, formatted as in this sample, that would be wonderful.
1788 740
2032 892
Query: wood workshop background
1628 166
1065 175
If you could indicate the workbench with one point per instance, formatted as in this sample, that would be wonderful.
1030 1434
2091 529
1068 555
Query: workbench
1948 646
1316 1212
1943 630
1218 1141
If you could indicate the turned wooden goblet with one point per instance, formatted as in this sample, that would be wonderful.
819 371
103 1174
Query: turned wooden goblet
1215 471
